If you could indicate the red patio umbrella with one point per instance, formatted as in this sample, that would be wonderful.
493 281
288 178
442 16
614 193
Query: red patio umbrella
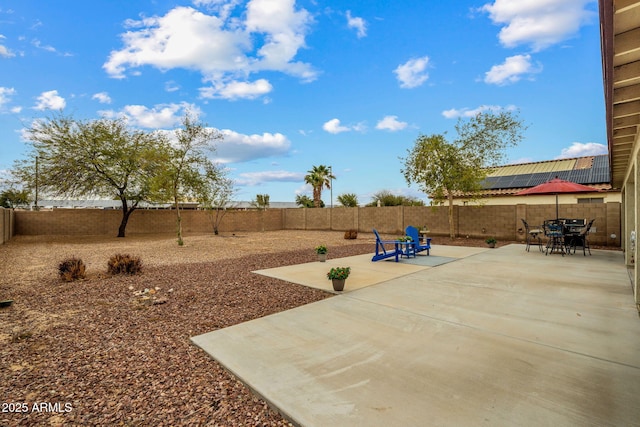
557 186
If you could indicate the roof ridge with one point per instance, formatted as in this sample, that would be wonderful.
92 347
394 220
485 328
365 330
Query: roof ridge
551 161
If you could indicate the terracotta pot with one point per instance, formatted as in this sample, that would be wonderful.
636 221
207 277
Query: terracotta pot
338 284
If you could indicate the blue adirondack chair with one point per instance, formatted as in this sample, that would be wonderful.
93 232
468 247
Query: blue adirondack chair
415 237
382 252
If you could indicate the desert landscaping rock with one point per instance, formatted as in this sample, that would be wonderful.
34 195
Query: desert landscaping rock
99 356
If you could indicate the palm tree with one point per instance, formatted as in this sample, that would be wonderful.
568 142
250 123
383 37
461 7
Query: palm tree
319 177
261 201
304 201
348 200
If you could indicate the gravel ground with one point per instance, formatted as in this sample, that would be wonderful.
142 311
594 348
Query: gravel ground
98 352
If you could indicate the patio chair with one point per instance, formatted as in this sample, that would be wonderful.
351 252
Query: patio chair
412 232
382 252
582 239
533 235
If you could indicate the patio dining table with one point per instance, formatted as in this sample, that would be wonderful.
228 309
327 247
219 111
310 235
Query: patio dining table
553 230
562 233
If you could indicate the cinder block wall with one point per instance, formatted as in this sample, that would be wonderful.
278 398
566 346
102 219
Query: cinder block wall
265 220
433 218
295 219
386 219
487 221
501 222
318 219
344 218
6 225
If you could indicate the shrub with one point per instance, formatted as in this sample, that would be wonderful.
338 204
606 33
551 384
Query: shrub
72 269
124 264
339 273
351 234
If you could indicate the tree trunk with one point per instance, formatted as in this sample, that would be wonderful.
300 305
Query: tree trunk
452 230
220 213
126 213
316 197
179 222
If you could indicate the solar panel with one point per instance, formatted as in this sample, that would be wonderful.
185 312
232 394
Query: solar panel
598 173
537 178
520 181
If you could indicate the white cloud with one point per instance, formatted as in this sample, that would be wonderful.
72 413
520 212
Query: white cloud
183 38
465 112
257 178
171 86
578 149
284 31
236 90
102 97
6 53
511 71
237 147
50 100
37 43
5 95
520 161
224 49
334 126
539 23
5 175
358 23
413 72
158 117
391 123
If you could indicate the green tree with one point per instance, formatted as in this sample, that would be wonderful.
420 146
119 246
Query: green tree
217 196
261 201
442 168
102 158
319 177
348 200
304 201
12 198
183 176
387 198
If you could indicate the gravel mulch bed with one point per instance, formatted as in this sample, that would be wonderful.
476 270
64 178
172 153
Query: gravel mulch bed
101 351
96 352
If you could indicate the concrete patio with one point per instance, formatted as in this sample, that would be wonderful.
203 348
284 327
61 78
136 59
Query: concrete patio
497 337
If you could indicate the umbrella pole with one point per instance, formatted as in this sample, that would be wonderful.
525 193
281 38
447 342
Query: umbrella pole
557 215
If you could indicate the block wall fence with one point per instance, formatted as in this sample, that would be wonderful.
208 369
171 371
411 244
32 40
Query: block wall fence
6 224
501 222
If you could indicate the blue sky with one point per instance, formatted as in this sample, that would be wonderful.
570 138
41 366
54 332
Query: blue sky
292 84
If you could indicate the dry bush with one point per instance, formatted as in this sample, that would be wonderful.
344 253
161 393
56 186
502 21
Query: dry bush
124 264
351 234
72 269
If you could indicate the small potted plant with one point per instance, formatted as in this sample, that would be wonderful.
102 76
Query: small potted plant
338 275
405 238
491 241
321 250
